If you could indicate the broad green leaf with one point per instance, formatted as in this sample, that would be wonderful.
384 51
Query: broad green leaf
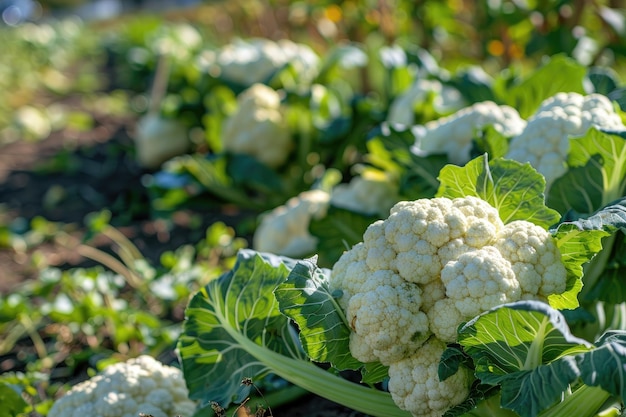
240 304
324 333
390 149
338 231
489 141
525 347
559 74
514 189
12 403
604 366
597 174
580 240
234 329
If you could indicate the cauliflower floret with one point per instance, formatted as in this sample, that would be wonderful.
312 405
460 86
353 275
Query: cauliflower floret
544 143
533 256
255 60
387 310
367 193
445 100
415 386
140 385
478 280
453 134
258 127
285 230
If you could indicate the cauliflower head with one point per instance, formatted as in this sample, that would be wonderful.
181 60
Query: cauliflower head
247 62
544 143
367 193
445 100
453 134
455 257
140 385
258 127
414 382
285 230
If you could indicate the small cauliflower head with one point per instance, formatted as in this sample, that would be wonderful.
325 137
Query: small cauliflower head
285 230
415 387
367 193
455 256
140 385
445 100
544 143
453 134
251 61
258 128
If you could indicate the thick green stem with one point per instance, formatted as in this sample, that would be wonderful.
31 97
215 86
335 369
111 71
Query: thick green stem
323 383
586 401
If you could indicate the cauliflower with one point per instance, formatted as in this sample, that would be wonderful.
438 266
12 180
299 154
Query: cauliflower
453 134
258 127
255 60
158 140
140 385
432 265
285 230
367 193
544 143
444 99
414 383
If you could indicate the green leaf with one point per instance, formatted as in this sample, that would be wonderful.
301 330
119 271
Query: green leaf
238 304
604 366
559 74
489 141
324 333
391 150
514 189
525 347
597 174
338 231
234 329
12 403
580 240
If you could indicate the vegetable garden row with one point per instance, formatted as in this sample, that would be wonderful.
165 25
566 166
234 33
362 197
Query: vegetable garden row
428 230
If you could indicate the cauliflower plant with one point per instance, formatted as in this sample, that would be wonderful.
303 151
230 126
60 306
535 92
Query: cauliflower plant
444 99
368 193
126 389
247 62
285 230
258 127
544 143
429 267
453 134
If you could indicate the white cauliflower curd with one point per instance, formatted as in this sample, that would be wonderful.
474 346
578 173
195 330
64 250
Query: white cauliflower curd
126 389
444 99
247 62
432 265
544 143
258 128
453 134
368 193
285 230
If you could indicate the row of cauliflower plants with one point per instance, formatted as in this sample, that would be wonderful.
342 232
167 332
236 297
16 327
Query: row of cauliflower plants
465 299
480 238
455 304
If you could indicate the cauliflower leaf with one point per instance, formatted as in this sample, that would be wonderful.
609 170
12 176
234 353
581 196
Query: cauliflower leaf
516 190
